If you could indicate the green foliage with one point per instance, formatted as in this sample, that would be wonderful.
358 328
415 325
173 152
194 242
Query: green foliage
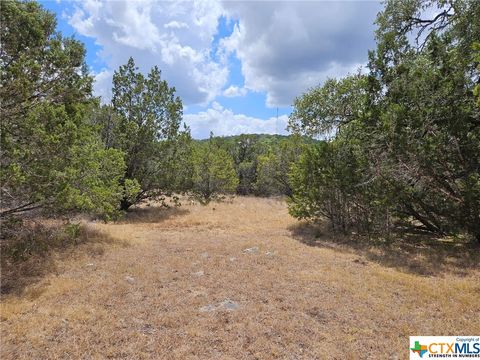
244 154
329 182
51 155
476 57
431 113
262 162
176 163
143 122
411 125
310 181
325 109
131 189
214 174
274 166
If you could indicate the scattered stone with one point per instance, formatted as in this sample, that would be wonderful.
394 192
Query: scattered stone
205 255
251 250
199 273
229 305
197 293
130 279
232 259
269 253
208 308
90 264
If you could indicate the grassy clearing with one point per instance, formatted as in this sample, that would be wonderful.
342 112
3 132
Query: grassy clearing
301 294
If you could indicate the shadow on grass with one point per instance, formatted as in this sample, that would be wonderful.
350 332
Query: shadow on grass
30 250
152 214
412 253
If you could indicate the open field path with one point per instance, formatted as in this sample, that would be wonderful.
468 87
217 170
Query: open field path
239 280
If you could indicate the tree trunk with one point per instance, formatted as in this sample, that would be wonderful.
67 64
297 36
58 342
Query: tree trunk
125 204
428 225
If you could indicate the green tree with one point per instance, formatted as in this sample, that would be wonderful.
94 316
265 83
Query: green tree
214 172
51 156
431 122
325 109
411 123
144 122
336 179
274 166
244 153
328 182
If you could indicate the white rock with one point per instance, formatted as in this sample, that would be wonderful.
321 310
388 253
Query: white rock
251 250
226 304
229 305
208 308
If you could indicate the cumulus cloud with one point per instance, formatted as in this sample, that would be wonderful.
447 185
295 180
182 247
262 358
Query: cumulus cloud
176 25
225 122
284 48
288 47
234 91
177 36
103 84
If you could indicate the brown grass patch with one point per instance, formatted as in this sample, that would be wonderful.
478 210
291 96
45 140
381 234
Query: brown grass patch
33 249
150 300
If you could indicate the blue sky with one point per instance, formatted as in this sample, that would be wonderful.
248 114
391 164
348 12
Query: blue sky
233 63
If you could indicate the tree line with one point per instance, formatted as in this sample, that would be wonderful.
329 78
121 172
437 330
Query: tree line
394 146
404 147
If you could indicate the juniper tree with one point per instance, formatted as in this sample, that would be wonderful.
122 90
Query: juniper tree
144 122
51 155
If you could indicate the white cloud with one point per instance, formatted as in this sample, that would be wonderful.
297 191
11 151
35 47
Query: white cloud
176 36
234 91
176 25
224 122
288 47
284 47
102 85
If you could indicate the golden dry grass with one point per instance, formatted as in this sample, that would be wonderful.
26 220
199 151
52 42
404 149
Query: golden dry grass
300 296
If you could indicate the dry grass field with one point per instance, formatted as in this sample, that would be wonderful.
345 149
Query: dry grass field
240 280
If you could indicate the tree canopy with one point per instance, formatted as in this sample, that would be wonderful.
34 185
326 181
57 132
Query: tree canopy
51 155
406 134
